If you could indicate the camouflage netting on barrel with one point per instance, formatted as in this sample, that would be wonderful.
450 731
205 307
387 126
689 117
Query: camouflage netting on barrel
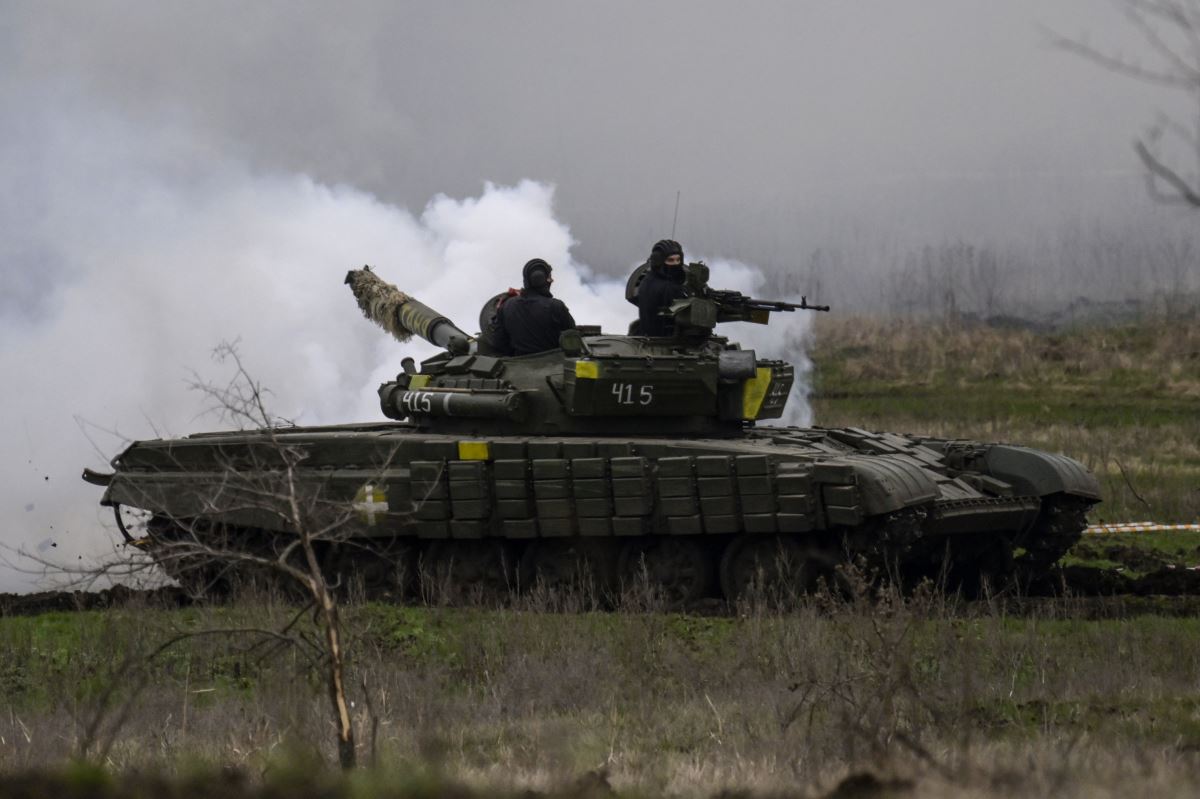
401 315
380 301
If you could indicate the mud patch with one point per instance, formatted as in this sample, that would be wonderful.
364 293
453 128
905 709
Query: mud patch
1132 556
1169 581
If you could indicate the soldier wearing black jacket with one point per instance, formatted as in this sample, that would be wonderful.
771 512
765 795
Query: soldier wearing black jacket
532 320
662 285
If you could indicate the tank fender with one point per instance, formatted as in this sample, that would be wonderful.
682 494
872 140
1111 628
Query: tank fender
97 478
1034 472
884 484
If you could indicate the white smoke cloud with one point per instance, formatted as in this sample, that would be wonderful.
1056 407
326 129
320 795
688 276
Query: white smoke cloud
146 254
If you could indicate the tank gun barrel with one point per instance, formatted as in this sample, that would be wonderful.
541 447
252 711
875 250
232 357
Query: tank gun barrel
400 314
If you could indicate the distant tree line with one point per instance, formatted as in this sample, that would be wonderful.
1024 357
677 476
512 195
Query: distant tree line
1077 274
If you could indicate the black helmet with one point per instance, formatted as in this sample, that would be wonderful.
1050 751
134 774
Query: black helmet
536 274
663 250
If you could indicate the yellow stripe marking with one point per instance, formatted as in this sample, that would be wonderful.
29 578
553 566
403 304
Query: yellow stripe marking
754 392
474 451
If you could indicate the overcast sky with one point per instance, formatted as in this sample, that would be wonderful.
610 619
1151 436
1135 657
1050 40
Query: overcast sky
939 114
175 174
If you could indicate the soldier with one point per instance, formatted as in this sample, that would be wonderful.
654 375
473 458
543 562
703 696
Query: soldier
662 285
532 320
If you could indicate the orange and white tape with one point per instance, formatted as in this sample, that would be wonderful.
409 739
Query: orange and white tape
1141 527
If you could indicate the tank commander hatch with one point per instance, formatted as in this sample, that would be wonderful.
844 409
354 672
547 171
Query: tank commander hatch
662 285
531 320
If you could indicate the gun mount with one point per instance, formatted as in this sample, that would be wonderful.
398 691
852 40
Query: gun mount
697 314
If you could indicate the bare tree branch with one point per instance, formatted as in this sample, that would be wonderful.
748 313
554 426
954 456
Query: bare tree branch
1117 64
1171 29
288 521
1183 69
1186 194
1174 13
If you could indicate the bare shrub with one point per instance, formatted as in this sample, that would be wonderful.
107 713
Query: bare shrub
258 481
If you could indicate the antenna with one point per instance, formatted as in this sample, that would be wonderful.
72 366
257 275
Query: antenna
676 219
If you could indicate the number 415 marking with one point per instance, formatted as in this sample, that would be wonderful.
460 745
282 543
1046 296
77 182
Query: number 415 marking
625 396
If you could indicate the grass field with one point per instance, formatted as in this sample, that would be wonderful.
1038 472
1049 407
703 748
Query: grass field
916 692
877 696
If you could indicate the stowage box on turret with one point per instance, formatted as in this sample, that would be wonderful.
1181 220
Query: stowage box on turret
615 459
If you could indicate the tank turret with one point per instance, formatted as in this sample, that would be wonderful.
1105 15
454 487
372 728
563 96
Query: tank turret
692 383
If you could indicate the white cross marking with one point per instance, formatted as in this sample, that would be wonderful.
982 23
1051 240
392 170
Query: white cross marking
369 505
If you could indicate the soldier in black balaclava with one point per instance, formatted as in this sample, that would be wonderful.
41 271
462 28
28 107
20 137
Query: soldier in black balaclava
662 285
532 320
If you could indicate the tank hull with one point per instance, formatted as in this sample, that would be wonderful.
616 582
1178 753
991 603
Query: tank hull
517 510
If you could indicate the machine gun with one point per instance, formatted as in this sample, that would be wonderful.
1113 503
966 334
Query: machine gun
697 314
733 306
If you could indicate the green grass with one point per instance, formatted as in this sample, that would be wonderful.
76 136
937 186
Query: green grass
1181 547
504 700
1137 554
992 401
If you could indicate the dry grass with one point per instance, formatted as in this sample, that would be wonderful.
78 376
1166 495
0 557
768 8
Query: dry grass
909 690
1163 355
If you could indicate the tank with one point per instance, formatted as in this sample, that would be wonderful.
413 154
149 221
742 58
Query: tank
615 460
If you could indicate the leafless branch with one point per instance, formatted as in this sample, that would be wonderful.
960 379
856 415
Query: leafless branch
1166 124
1170 29
1182 69
256 478
1118 64
1185 193
1129 483
1175 13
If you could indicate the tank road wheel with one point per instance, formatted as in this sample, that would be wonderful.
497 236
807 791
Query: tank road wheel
585 567
203 581
975 566
678 570
188 551
992 570
463 572
776 568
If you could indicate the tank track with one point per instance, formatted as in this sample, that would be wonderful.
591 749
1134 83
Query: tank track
455 521
1058 528
673 572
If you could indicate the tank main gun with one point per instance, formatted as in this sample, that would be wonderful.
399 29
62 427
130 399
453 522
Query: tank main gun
401 315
